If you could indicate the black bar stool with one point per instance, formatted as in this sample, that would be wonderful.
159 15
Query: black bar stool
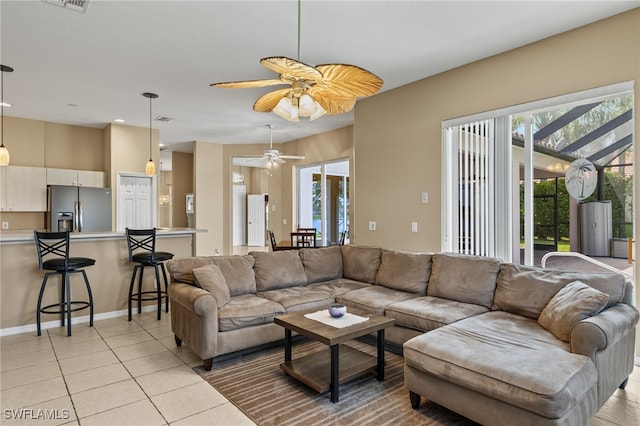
53 255
142 250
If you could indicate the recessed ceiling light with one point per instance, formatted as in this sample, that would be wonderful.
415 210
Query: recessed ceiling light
118 120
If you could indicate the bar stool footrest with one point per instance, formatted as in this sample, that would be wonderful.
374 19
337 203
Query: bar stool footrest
153 293
62 307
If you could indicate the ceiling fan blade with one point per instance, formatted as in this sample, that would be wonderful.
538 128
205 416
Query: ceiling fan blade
278 160
331 101
248 84
268 102
292 157
249 156
349 80
288 67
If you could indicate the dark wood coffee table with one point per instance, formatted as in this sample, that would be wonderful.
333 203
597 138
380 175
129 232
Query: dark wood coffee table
324 371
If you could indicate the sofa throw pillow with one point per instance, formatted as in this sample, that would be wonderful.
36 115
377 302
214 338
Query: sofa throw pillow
181 270
322 264
278 269
404 271
238 271
526 290
360 263
210 278
573 303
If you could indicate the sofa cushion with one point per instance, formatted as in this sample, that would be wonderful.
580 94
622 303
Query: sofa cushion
247 310
404 271
360 263
526 290
338 286
181 270
322 264
502 355
374 299
278 269
295 299
238 271
465 278
428 313
210 278
573 303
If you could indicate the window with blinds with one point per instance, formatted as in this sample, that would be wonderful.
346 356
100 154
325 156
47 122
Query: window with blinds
471 175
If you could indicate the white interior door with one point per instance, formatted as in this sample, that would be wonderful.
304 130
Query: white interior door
256 220
135 202
239 215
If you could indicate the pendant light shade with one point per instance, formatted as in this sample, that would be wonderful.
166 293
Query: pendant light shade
4 152
150 169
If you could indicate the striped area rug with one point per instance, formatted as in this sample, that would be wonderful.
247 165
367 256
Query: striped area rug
256 385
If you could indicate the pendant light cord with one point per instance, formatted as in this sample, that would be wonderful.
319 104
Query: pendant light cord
2 106
150 132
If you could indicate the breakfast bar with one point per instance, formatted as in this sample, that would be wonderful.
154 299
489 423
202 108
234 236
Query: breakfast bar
20 277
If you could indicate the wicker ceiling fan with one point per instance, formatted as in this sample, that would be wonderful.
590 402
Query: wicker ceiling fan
313 91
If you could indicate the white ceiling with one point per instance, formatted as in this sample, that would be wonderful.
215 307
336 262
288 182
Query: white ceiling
90 68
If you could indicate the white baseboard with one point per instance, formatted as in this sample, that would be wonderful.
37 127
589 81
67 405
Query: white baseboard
32 328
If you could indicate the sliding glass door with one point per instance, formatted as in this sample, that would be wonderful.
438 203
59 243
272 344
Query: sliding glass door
515 180
323 199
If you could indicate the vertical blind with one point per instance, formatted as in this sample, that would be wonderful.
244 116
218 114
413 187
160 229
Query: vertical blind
473 225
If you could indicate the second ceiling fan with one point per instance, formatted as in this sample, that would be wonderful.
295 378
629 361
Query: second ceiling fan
272 158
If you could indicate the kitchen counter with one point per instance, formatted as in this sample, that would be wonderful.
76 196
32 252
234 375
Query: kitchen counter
109 277
23 236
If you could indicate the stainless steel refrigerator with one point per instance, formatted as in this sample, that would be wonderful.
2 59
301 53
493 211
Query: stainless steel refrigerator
78 208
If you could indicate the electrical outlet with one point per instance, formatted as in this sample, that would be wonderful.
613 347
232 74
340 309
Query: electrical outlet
414 226
5 225
284 221
425 198
372 226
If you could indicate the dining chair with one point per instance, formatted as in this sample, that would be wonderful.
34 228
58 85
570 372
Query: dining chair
272 240
303 239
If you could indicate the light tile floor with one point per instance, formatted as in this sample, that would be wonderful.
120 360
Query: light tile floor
132 373
116 373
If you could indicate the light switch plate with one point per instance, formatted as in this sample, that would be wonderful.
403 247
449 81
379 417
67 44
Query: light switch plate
372 226
425 198
414 226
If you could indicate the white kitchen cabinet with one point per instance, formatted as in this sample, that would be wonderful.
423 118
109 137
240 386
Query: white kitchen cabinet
75 177
3 188
91 178
26 189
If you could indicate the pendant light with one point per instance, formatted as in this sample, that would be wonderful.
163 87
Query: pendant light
4 152
151 168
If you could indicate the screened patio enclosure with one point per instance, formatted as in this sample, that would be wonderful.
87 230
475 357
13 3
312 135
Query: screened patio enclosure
602 133
505 175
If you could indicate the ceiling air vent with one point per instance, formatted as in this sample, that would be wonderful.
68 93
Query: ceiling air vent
164 119
77 5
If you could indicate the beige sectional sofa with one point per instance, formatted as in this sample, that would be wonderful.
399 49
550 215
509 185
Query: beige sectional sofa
492 341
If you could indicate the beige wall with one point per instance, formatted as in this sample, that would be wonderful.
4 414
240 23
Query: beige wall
73 147
397 134
182 177
208 190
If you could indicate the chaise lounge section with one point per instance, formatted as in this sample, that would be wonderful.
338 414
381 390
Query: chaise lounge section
492 341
